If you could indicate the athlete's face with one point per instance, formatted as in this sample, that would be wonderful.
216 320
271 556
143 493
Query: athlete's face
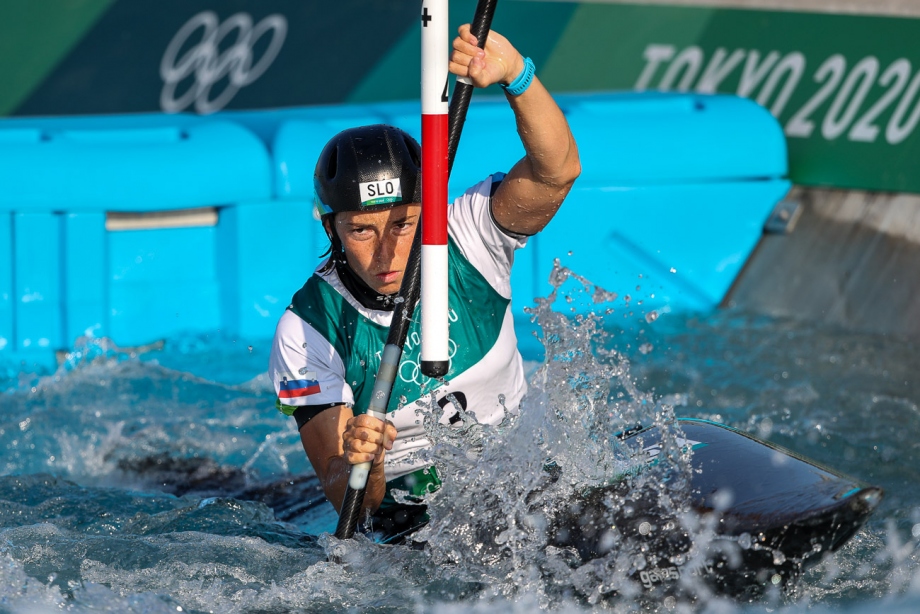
377 244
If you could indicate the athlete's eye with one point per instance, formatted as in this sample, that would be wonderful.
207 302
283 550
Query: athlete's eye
359 232
403 227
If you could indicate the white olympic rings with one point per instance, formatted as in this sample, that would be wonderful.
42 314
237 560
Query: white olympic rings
415 375
209 66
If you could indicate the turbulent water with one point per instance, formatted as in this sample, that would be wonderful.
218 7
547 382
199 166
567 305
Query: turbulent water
167 482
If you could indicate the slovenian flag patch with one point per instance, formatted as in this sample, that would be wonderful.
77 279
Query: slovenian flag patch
297 388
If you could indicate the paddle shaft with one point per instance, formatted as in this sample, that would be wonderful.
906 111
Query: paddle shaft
408 296
463 90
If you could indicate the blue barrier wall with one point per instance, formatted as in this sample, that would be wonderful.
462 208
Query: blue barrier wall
140 227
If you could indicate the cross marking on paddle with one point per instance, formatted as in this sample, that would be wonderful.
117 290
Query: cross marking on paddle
425 17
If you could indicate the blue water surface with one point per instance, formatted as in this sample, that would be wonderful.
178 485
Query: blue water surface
165 480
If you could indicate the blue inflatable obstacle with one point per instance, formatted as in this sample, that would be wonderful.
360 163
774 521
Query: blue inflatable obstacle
673 196
141 227
131 233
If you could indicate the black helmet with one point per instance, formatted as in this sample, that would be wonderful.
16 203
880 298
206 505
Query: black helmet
367 169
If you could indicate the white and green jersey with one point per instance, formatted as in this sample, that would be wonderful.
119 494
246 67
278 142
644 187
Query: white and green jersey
327 345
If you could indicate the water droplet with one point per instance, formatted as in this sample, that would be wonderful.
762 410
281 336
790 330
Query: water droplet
651 316
745 541
722 499
645 348
250 349
303 371
673 270
602 296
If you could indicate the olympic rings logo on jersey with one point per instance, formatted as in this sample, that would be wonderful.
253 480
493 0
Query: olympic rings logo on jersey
209 66
411 373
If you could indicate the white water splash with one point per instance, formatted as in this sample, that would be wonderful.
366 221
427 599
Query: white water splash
504 486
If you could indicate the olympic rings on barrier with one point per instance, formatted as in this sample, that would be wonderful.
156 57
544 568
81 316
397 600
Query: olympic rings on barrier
209 66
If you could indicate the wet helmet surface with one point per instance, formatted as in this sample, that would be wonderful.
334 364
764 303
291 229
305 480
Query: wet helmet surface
367 169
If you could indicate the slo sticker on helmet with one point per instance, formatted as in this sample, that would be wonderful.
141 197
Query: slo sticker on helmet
380 192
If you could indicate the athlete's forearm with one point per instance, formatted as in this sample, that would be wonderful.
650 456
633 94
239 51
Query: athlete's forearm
551 151
538 183
323 441
535 187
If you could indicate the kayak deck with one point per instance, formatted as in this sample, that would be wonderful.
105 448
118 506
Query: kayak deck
772 513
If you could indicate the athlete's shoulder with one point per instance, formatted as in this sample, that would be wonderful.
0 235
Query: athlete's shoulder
483 190
307 302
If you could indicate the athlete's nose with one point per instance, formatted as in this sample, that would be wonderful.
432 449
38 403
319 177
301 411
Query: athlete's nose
386 248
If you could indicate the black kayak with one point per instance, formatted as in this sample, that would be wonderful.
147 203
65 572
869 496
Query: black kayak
772 513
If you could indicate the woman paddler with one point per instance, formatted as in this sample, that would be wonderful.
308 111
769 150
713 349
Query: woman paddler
327 344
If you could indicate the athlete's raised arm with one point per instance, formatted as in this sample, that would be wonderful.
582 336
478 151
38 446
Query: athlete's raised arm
537 184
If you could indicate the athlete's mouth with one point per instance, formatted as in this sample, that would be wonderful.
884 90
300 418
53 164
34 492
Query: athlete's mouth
387 276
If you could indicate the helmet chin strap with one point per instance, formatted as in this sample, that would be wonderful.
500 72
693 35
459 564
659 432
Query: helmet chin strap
363 293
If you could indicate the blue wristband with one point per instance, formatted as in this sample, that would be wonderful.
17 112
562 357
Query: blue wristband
523 80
